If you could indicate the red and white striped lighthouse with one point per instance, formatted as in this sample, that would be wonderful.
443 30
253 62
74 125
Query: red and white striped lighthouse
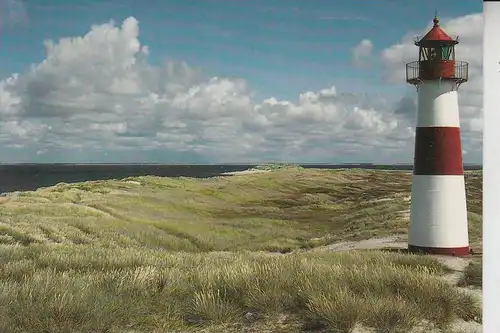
438 219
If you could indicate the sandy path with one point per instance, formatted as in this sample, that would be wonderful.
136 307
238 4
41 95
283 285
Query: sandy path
368 244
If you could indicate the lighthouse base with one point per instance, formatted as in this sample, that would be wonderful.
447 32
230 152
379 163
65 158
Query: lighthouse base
438 217
447 251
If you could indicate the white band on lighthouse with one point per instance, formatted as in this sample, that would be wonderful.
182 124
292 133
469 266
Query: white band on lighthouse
439 214
438 104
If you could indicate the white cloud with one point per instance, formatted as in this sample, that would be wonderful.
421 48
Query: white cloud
362 53
97 97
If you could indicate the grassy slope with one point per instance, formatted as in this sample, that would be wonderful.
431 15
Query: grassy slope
105 256
267 211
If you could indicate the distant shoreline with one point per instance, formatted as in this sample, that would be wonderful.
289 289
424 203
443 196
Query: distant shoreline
307 165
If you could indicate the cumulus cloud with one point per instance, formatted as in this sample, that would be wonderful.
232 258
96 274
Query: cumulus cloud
362 53
97 98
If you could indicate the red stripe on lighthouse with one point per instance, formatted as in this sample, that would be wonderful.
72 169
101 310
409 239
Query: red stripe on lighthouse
438 151
449 251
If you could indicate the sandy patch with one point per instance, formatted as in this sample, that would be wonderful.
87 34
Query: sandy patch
245 172
405 214
368 244
382 200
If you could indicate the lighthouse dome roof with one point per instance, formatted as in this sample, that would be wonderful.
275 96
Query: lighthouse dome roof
436 35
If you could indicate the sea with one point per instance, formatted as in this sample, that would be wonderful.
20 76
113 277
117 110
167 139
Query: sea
28 177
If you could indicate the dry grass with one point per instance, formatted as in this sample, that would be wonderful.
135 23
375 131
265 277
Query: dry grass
83 288
473 274
149 254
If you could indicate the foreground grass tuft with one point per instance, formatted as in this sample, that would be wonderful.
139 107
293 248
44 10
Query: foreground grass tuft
62 288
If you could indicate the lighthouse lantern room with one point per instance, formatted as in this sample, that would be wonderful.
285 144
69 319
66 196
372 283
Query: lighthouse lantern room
438 218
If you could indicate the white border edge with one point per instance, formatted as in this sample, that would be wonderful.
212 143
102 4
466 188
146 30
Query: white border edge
491 164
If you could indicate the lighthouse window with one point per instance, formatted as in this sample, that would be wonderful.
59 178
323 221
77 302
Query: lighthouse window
432 53
445 52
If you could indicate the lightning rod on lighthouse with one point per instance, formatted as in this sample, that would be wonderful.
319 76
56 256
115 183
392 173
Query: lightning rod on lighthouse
438 218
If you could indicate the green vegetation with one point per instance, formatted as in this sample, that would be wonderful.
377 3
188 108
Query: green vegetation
150 254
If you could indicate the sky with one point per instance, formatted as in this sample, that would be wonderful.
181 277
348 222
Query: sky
212 81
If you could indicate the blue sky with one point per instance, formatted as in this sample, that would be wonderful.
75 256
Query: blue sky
281 48
275 45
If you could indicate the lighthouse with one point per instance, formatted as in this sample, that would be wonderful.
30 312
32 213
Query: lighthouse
438 218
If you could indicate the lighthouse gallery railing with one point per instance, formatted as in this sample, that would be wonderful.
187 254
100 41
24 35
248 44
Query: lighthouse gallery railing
460 72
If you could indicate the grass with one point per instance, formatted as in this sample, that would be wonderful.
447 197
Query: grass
275 211
473 274
49 288
150 254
